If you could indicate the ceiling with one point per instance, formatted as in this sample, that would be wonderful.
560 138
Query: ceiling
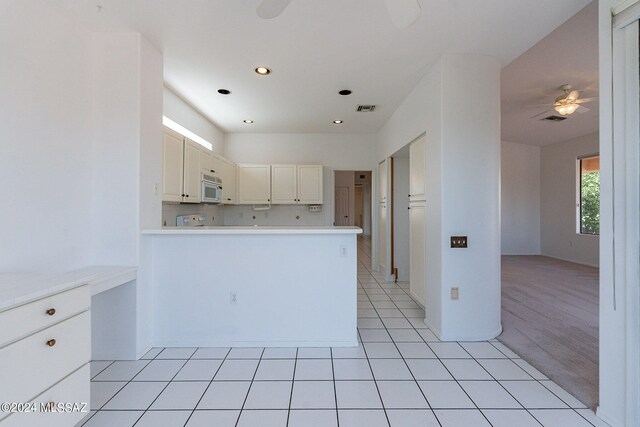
316 48
569 55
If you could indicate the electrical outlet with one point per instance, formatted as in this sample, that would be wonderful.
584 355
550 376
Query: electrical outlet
455 293
155 189
233 298
458 241
343 251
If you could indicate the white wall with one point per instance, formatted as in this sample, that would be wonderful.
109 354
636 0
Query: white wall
45 138
559 236
401 217
458 105
187 116
520 199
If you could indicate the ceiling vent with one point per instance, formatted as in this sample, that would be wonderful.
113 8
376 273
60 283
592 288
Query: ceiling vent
366 108
554 119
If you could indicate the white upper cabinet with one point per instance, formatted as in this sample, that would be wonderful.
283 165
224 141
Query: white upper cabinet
417 161
254 184
310 186
192 179
229 180
173 152
296 184
284 189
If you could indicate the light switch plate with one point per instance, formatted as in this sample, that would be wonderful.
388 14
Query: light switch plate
455 293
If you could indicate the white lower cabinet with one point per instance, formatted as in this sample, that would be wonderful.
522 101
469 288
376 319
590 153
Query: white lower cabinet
62 405
47 356
417 227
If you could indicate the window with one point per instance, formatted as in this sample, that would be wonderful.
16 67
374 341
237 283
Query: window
589 194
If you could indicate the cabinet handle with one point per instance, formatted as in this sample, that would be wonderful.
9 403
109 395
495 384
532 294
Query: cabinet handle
51 342
229 199
51 311
212 171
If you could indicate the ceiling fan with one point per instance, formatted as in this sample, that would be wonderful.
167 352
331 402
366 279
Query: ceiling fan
567 103
403 12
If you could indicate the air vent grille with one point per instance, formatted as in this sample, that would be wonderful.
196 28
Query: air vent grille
366 108
554 119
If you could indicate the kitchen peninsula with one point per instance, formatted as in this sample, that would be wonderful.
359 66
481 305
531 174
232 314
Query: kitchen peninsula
252 286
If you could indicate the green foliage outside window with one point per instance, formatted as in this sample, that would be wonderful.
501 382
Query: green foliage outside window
590 203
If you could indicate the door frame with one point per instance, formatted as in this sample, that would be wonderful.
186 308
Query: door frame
620 218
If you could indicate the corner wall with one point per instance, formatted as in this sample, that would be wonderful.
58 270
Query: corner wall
520 199
558 189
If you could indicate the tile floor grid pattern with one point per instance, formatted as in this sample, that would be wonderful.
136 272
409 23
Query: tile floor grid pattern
373 288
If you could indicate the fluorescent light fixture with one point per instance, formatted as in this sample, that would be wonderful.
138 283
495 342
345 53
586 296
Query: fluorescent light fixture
186 132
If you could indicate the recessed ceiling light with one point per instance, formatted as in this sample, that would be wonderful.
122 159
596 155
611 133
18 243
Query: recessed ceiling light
263 71
248 121
337 122
224 91
345 92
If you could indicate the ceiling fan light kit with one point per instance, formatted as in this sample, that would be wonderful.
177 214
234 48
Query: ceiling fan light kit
567 109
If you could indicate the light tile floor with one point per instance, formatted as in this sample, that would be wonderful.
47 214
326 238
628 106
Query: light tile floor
401 375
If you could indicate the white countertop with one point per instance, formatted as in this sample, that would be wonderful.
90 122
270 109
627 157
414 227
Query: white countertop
21 288
255 230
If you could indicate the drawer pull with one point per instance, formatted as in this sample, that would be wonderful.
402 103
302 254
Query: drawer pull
51 343
51 311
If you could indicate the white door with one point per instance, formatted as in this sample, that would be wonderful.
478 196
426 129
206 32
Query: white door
284 184
254 184
192 178
417 237
382 237
382 181
342 206
173 157
310 184
417 160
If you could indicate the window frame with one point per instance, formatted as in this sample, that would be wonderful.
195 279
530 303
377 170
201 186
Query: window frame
579 194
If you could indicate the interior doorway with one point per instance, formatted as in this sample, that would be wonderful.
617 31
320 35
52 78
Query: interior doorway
352 200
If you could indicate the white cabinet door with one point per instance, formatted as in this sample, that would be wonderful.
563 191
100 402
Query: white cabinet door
229 186
382 181
417 219
172 152
217 165
417 160
206 160
310 184
254 184
192 178
284 185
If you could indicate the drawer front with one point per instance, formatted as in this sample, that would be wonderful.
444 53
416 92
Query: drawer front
73 389
23 320
35 363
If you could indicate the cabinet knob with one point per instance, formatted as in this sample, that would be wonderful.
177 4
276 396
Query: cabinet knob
409 207
212 171
51 311
228 199
268 200
187 195
51 342
183 195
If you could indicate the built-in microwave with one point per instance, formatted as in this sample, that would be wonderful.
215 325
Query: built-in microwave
211 189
